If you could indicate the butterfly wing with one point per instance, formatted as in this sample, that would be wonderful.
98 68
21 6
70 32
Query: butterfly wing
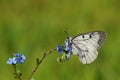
86 45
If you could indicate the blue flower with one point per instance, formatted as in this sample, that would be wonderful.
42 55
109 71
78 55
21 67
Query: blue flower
67 49
11 61
59 48
18 58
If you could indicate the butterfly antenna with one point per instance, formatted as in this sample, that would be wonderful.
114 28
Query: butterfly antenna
66 32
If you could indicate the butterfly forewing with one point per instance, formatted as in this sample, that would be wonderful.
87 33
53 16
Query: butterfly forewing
86 45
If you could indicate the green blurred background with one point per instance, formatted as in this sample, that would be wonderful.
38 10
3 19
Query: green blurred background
34 26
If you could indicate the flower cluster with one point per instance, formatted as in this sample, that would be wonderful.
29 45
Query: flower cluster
18 58
66 49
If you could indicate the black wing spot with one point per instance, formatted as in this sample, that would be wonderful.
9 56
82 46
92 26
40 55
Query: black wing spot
83 56
86 51
83 36
90 36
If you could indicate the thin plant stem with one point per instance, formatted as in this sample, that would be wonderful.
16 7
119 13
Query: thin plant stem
40 61
15 73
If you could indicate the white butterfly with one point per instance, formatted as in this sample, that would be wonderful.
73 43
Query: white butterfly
86 45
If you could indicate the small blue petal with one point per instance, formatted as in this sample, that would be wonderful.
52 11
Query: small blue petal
20 58
59 48
14 60
23 57
17 54
11 61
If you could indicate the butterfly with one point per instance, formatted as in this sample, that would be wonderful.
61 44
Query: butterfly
85 45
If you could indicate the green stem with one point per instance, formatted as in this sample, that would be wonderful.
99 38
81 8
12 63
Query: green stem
17 76
39 62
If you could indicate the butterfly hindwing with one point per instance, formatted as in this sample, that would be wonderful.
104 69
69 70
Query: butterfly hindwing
86 45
